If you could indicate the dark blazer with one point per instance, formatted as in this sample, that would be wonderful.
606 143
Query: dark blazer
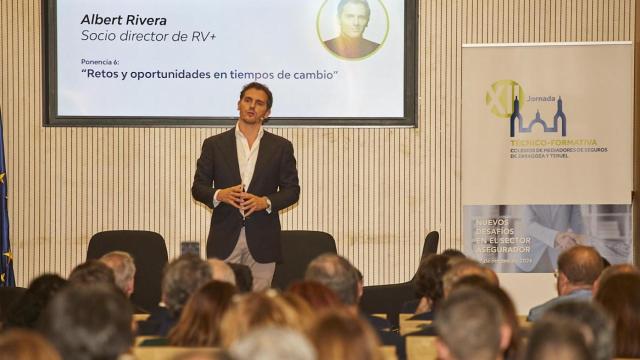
275 177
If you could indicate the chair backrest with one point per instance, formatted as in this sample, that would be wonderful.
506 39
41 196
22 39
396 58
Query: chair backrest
389 298
298 249
150 254
8 295
169 352
421 348
388 352
430 244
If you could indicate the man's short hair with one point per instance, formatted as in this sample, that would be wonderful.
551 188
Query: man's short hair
469 323
594 319
580 264
364 3
336 273
123 266
87 322
92 272
557 339
273 343
181 278
461 267
258 86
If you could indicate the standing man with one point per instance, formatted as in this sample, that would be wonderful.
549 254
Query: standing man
246 175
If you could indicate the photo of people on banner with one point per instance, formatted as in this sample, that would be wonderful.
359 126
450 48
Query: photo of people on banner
529 238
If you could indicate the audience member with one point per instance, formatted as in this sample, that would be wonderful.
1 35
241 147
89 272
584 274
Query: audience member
461 267
593 319
317 295
92 272
199 323
306 314
337 273
20 344
340 335
509 315
470 325
221 271
429 288
273 343
257 309
557 339
25 312
612 270
578 269
619 294
124 270
181 278
89 322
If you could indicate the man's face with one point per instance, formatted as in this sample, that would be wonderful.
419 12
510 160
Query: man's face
253 106
353 20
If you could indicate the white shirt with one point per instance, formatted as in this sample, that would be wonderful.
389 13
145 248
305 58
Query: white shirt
247 157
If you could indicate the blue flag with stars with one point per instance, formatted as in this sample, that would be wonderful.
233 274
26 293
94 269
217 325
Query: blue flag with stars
7 278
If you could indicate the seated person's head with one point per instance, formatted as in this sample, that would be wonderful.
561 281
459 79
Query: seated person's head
559 339
470 325
461 267
124 270
181 278
336 273
252 310
619 295
594 322
92 272
89 322
611 270
199 323
26 311
273 343
509 314
453 253
341 335
429 278
578 267
21 344
318 296
221 271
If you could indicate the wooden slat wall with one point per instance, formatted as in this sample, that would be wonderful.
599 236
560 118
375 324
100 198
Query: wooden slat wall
378 191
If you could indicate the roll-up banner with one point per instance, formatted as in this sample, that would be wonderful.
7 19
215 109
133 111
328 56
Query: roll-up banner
547 152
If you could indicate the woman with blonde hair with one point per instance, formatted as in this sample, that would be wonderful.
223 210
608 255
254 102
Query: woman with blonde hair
253 310
339 335
199 323
26 345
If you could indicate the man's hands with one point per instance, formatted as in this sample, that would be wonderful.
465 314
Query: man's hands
565 240
247 202
231 195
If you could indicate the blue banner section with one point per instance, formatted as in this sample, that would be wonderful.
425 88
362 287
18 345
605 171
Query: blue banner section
7 277
529 238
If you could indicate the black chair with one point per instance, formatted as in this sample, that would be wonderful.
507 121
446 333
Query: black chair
298 249
8 295
388 299
150 254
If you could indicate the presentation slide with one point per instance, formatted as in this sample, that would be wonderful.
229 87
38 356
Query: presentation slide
189 59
